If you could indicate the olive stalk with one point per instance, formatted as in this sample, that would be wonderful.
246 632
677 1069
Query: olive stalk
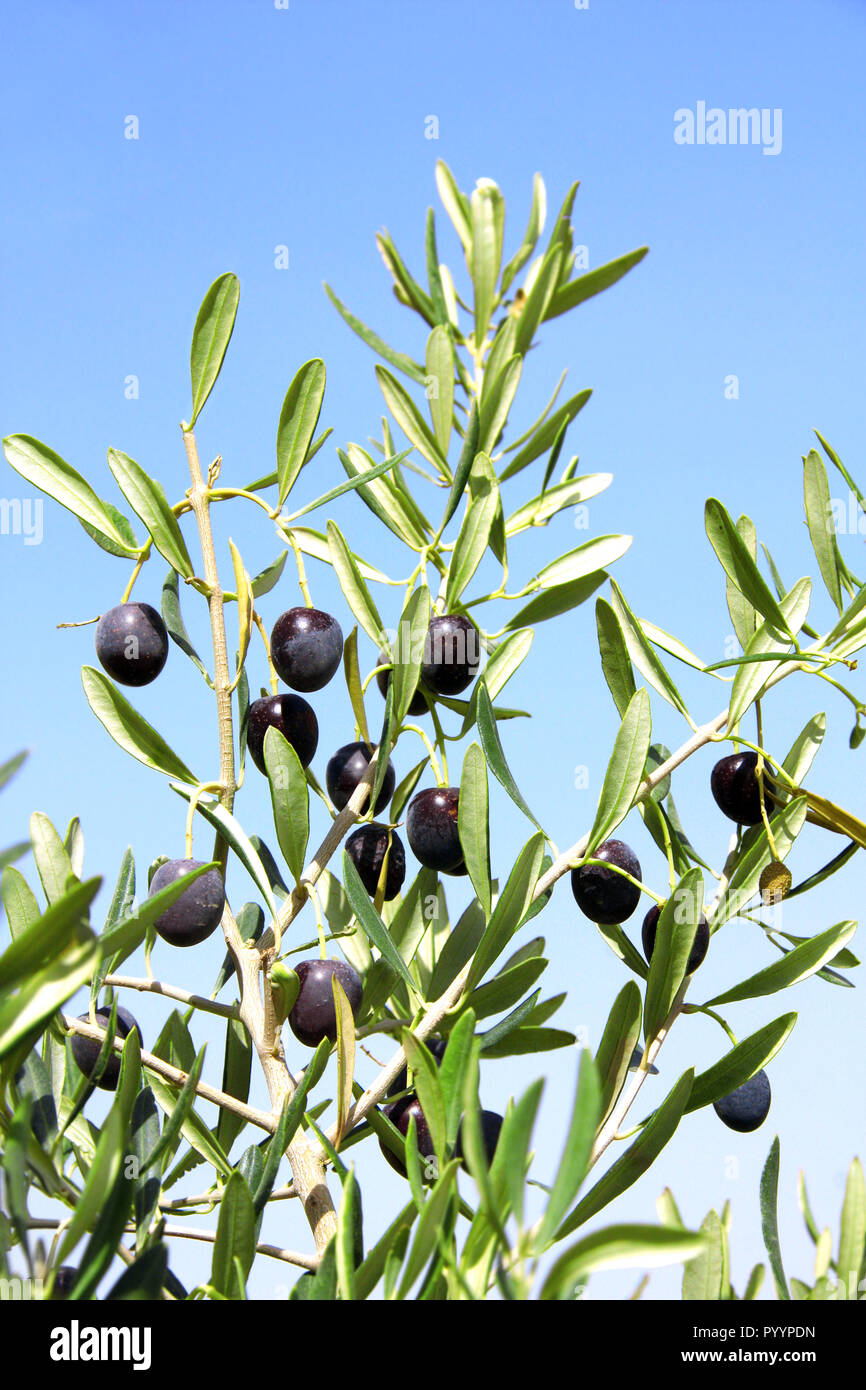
256 1007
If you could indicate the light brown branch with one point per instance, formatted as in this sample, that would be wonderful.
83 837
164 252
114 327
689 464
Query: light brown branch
197 1001
179 1078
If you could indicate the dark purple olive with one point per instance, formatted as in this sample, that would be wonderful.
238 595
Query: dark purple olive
367 847
314 1015
345 770
700 945
491 1124
86 1050
748 1106
400 1113
417 705
431 829
734 785
602 894
306 647
132 643
197 913
64 1281
452 655
295 720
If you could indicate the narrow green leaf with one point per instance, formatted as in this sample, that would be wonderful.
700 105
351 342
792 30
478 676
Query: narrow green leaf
510 909
675 936
534 228
493 750
101 1177
585 559
852 1231
737 562
129 729
397 359
642 653
497 404
452 1071
802 754
618 1247
237 1072
430 1224
638 1157
148 500
171 616
235 1239
618 1042
345 1053
458 948
770 1220
740 1064
409 653
213 330
130 541
434 273
549 503
615 659
822 529
538 297
290 799
464 463
410 420
178 1114
193 1127
546 434
551 603
439 361
11 766
393 507
371 923
51 857
427 1084
48 937
797 965
702 1278
290 1119
298 419
472 823
625 771
487 210
355 590
519 1042
370 1272
756 1280
50 473
348 1249
585 1116
592 282
753 674
507 987
456 204
406 288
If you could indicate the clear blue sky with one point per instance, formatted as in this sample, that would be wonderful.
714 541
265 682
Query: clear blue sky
305 127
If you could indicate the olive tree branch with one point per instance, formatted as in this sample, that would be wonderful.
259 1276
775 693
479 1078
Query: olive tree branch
183 996
199 496
212 1199
255 1010
294 1257
176 1077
